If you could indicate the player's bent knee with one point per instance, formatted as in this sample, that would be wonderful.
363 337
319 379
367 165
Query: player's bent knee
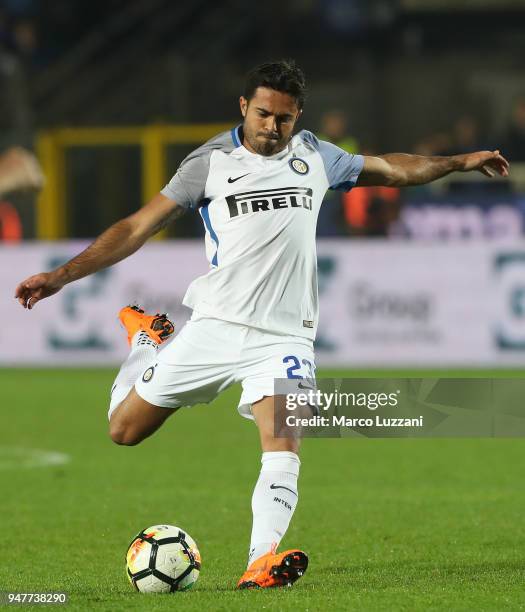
135 419
124 436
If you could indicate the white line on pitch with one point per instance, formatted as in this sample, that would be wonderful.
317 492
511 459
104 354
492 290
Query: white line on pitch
16 457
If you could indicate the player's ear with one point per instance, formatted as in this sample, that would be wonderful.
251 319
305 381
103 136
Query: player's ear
243 103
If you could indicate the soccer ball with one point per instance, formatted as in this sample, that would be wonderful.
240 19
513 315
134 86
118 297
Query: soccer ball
163 559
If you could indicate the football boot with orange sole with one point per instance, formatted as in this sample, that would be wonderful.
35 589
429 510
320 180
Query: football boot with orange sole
158 327
274 570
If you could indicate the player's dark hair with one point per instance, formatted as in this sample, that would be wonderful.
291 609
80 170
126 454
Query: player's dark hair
283 76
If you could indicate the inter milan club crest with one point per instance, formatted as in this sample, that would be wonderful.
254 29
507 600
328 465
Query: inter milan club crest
148 374
299 165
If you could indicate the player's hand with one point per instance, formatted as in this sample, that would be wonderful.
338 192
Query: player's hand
488 163
37 287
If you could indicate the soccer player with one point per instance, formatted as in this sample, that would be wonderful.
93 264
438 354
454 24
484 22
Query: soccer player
258 189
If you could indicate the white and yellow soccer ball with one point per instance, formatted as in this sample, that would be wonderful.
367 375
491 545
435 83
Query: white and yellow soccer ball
163 559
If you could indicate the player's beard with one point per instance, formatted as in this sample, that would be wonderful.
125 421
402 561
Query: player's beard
266 144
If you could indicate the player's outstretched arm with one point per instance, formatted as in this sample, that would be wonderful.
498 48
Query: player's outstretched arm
115 244
401 169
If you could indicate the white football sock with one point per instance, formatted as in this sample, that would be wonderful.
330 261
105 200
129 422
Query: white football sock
274 500
143 352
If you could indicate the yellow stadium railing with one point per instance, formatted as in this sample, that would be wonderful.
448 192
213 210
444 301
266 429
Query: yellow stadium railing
51 146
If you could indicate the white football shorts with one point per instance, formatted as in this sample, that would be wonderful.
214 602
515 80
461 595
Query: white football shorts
209 355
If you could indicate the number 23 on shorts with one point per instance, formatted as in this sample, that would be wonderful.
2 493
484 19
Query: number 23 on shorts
295 368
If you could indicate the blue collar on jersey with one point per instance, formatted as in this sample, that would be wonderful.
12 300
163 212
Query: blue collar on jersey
237 135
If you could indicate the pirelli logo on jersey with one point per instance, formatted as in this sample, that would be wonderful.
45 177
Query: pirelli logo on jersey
269 199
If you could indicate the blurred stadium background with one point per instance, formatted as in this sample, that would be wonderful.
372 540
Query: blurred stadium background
112 95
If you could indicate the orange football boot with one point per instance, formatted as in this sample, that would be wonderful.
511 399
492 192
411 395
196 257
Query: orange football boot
274 570
158 327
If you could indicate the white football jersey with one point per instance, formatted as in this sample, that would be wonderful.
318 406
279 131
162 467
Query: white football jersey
260 215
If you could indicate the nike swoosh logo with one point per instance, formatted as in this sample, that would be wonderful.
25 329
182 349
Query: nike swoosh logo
274 486
301 386
232 180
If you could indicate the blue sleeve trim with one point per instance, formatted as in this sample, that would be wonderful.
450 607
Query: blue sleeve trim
342 168
205 214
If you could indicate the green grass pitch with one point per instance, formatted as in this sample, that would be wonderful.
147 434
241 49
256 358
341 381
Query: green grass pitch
388 524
